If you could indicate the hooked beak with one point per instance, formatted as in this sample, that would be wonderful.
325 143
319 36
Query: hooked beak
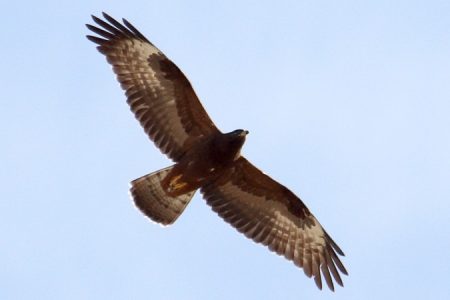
244 133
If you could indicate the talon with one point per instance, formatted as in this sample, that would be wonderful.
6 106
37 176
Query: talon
175 184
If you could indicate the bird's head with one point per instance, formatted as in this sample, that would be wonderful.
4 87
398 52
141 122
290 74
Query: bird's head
239 133
237 136
233 142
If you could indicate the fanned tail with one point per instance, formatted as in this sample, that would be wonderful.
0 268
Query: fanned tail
154 202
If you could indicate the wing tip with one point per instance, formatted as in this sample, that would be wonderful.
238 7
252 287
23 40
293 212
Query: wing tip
106 15
115 29
96 40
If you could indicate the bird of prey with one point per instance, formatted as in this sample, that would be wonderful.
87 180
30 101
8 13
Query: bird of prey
205 159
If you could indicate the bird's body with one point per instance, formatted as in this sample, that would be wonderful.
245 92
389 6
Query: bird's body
203 162
165 104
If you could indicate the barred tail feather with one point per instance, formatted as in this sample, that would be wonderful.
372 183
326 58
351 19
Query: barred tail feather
154 202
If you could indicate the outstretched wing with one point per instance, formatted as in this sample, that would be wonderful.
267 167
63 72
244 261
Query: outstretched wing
269 213
158 93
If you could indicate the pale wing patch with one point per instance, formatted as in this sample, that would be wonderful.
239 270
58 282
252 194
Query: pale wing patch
150 96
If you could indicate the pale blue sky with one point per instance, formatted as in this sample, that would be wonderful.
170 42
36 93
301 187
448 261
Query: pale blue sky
347 104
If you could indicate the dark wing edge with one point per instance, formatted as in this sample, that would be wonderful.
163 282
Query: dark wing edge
270 214
158 93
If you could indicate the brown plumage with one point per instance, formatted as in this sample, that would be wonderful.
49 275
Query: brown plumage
164 102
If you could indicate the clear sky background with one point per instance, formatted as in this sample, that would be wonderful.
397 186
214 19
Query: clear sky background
347 104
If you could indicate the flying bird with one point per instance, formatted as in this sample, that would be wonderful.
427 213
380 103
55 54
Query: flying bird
205 159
